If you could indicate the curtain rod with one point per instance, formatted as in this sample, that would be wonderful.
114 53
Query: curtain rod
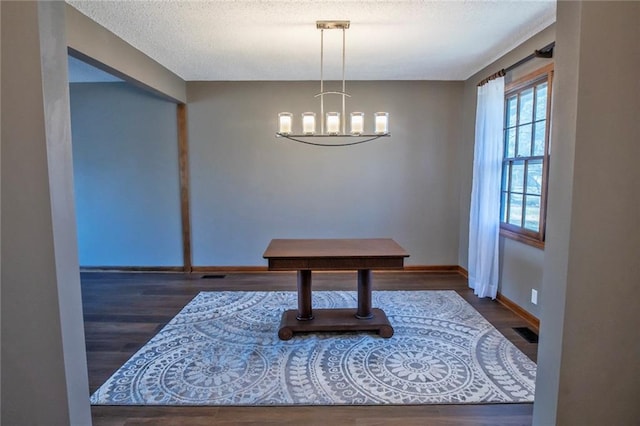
545 52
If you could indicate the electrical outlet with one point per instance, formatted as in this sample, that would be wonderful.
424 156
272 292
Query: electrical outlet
534 296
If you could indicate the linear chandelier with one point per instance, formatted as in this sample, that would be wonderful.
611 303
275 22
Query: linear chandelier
333 128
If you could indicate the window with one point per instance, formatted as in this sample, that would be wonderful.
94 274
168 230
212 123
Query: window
526 157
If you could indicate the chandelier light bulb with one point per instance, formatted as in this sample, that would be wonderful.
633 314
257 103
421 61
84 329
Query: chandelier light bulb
357 123
285 123
309 123
333 123
381 123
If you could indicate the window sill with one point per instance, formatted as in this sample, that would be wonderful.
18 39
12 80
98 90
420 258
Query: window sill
524 239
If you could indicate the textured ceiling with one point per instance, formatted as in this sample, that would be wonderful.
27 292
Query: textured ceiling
278 40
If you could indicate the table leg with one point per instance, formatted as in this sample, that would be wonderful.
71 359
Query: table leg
304 296
364 294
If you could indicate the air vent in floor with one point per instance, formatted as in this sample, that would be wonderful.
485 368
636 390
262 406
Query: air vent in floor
213 277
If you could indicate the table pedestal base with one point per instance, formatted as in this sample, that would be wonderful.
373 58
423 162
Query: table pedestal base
334 320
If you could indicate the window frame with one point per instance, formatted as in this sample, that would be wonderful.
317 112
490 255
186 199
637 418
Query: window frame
519 233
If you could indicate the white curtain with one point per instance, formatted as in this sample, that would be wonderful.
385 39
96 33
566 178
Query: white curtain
484 216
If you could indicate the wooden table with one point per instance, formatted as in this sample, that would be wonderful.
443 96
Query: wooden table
363 255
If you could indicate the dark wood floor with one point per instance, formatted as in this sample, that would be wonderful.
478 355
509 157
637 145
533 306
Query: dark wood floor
122 311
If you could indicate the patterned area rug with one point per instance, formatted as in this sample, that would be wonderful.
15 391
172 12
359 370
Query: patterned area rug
223 349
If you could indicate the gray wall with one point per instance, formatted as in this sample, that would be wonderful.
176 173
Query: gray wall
248 187
521 265
521 268
44 370
125 156
589 351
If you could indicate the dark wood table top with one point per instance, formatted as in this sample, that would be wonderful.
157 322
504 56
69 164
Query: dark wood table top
347 253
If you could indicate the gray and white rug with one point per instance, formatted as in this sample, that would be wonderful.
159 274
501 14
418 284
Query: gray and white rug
223 349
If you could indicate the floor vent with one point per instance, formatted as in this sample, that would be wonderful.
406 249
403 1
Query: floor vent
213 277
528 334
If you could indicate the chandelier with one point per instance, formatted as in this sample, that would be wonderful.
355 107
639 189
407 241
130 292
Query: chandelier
333 124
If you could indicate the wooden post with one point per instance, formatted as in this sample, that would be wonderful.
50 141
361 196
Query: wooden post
183 169
364 294
304 296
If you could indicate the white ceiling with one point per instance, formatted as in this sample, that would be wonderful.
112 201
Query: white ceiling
278 40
